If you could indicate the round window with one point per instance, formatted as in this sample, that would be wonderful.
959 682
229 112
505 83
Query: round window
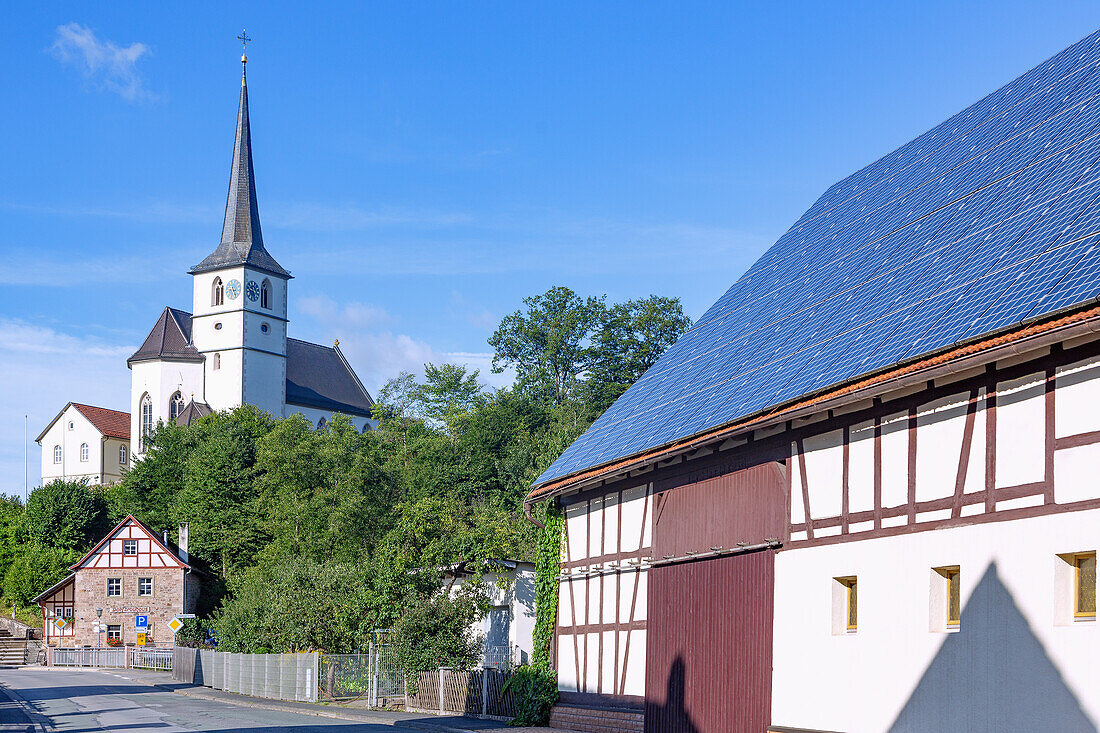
218 326
264 327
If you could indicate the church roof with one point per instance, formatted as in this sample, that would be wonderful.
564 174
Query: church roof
983 225
111 423
170 338
194 412
320 376
242 242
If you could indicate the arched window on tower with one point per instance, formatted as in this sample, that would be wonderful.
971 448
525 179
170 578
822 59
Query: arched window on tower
175 406
218 295
217 362
146 418
265 294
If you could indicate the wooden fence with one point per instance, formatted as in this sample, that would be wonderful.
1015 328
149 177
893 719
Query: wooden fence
477 692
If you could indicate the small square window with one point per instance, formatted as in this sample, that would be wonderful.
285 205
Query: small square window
1084 585
951 589
145 586
129 547
114 586
114 632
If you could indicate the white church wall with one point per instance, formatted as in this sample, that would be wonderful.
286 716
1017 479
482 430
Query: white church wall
160 380
264 382
894 669
314 415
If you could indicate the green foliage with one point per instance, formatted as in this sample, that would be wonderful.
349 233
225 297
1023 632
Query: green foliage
547 567
13 531
35 570
535 690
436 630
66 514
192 634
300 605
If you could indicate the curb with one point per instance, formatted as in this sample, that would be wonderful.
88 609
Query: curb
37 719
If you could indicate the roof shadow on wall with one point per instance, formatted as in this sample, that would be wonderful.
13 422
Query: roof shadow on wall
993 675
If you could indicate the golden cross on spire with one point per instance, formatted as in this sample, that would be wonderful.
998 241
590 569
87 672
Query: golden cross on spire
244 39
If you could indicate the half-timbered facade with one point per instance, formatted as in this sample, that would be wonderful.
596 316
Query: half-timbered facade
133 571
866 480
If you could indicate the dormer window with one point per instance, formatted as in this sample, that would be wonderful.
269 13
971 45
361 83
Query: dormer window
218 295
265 294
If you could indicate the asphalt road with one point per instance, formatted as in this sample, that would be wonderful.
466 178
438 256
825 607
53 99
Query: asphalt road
84 701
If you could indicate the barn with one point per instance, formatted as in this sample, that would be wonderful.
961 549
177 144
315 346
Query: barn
860 493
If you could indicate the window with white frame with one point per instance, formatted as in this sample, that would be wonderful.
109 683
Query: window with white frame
145 586
129 547
84 452
122 456
146 417
114 632
175 406
57 454
114 587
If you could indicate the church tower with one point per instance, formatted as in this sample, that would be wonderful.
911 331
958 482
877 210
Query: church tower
240 296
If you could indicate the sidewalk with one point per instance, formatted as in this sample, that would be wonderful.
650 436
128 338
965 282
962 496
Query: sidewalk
439 723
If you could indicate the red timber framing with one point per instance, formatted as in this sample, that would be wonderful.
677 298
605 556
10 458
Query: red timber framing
60 603
151 552
980 394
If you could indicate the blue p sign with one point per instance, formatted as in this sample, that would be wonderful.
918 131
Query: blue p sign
141 622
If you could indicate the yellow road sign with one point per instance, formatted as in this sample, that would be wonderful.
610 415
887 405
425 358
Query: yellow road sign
141 639
60 623
175 624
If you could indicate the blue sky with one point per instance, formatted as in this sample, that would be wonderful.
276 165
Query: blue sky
422 167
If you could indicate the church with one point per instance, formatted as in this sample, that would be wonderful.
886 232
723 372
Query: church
230 349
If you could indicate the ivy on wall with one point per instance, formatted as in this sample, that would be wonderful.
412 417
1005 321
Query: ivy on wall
547 568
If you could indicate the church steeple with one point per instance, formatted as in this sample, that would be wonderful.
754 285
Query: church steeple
242 242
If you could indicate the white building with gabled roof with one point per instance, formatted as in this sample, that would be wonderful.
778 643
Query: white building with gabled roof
85 442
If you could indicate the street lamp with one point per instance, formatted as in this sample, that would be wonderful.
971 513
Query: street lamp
99 625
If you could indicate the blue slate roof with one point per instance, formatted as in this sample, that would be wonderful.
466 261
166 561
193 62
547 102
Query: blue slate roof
319 376
988 220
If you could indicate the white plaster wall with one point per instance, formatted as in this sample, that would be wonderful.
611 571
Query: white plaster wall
1020 430
518 593
861 467
895 460
940 427
161 380
1077 395
862 681
71 467
313 415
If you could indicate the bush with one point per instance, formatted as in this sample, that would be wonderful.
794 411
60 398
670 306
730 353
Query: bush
66 514
437 631
535 690
36 570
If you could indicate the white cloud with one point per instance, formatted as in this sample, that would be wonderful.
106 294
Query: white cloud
354 314
43 369
105 65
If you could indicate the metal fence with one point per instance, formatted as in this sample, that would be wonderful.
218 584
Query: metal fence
88 657
478 692
373 677
144 658
272 676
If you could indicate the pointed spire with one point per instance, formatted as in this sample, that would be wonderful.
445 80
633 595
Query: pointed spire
242 241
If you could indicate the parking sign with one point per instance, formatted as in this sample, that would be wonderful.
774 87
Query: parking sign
141 622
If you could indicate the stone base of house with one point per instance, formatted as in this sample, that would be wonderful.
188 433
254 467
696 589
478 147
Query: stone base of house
576 713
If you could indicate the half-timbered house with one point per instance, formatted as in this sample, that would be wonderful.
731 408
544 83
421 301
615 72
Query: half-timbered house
861 493
133 571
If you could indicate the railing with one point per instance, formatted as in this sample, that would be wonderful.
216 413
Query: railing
498 657
160 659
274 676
373 677
88 657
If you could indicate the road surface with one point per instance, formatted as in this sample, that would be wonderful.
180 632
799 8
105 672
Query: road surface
82 701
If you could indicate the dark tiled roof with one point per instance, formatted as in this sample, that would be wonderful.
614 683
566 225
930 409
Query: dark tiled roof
194 412
986 222
169 339
242 241
112 423
320 376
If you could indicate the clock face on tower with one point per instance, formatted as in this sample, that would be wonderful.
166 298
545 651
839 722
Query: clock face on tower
233 289
252 290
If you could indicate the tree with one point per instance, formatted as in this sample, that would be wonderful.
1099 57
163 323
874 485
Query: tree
66 514
35 570
548 344
448 393
631 338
